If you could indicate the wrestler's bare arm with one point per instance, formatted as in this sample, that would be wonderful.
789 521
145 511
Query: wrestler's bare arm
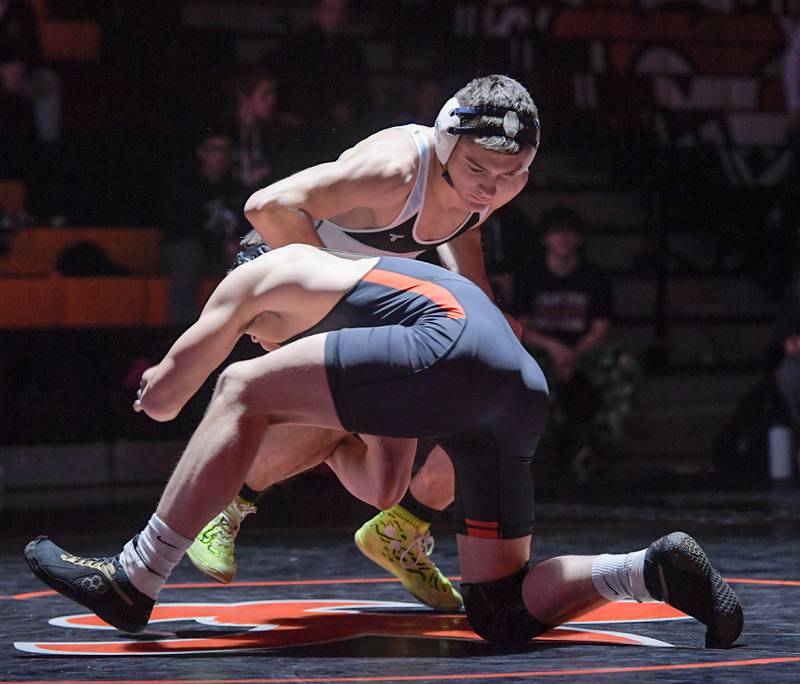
464 256
260 288
377 171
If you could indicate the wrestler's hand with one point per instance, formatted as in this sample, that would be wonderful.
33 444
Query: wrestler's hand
516 326
137 404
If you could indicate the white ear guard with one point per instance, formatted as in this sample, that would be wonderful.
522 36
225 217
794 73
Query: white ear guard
447 127
443 140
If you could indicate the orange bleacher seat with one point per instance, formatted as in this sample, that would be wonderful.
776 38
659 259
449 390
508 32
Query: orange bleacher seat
68 41
157 301
12 195
36 250
30 302
105 302
71 41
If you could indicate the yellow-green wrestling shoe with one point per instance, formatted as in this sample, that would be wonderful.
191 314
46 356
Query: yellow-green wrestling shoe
213 551
400 543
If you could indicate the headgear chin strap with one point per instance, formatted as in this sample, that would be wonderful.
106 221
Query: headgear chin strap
448 127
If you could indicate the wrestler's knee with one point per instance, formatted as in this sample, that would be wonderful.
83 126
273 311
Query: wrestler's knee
384 500
496 611
392 460
232 388
389 485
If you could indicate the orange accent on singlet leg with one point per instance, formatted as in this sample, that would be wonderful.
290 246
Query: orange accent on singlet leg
436 293
484 529
491 524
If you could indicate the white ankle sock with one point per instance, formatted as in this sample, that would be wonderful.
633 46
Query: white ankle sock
618 576
149 559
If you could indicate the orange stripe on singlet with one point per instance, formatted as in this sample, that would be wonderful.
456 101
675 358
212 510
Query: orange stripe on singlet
486 529
490 524
436 293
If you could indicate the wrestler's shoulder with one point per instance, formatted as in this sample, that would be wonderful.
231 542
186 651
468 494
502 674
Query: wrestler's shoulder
388 152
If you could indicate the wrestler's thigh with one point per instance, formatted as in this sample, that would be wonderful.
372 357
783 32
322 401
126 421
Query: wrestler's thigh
287 440
287 450
288 385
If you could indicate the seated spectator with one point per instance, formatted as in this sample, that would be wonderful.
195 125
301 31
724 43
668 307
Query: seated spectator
566 309
23 72
19 49
787 373
267 139
202 219
741 449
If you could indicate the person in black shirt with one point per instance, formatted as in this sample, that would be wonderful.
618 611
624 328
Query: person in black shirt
268 139
566 308
201 206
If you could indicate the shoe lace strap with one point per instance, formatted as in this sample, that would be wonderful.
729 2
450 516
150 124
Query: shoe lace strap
229 526
421 546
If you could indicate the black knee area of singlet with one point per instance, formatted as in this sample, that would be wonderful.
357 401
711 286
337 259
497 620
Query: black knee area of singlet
496 612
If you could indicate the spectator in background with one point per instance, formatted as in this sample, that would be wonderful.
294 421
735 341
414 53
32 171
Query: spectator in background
566 310
267 139
19 51
22 71
201 206
787 373
324 80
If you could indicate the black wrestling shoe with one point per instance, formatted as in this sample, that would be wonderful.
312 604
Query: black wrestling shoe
677 572
99 584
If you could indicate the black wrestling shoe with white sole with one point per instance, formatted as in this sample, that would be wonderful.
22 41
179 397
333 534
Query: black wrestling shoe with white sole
678 572
99 584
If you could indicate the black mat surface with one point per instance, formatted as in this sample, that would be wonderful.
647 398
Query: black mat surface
308 607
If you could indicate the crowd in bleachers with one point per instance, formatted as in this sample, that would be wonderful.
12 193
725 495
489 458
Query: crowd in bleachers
159 124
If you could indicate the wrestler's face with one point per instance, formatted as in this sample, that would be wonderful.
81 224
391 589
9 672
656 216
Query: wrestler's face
484 178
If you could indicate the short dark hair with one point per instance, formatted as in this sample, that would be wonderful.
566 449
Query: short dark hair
503 92
560 218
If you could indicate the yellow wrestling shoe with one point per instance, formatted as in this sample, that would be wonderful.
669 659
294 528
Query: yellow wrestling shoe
400 543
213 551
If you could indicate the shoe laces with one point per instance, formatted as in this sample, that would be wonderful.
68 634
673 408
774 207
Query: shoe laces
420 548
104 565
231 520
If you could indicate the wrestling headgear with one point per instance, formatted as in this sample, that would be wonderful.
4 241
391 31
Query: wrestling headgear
249 253
448 127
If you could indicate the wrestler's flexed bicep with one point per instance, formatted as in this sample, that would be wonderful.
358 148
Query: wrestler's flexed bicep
376 172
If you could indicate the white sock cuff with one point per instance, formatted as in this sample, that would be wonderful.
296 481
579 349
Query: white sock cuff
636 573
605 576
141 576
169 537
618 576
